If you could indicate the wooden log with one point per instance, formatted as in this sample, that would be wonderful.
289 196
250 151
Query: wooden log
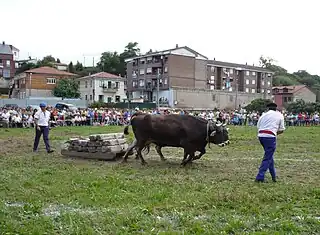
86 155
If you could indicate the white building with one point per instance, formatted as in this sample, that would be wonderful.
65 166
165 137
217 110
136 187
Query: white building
103 87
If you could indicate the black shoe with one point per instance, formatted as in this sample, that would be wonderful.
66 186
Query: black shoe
50 151
34 151
274 179
259 181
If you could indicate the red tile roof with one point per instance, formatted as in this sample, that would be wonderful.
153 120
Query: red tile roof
49 70
292 89
103 75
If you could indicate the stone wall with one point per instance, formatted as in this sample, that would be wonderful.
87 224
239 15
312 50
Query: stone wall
199 99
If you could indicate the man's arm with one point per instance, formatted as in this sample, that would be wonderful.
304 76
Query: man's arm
281 126
36 119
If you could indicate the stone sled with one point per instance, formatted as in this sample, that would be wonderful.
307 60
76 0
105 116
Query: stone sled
101 147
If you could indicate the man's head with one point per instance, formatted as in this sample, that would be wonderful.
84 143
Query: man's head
272 106
43 106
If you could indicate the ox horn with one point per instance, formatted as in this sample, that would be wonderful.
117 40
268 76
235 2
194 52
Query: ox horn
218 124
224 124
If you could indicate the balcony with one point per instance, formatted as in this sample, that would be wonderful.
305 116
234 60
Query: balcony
110 89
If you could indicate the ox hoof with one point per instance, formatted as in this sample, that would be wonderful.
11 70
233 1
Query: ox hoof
123 162
163 159
144 163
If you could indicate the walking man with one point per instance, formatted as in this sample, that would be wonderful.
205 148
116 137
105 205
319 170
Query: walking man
270 124
41 121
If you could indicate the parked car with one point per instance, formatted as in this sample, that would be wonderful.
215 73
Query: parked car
61 106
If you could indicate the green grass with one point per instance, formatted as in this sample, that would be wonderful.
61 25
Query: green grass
50 194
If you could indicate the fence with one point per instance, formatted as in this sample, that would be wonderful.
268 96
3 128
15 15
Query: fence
49 101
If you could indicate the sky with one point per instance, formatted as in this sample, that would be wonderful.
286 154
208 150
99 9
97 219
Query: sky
236 31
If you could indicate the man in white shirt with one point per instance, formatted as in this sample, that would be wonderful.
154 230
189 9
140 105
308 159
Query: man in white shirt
41 121
270 124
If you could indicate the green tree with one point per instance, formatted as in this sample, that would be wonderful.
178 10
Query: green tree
47 61
110 62
130 50
78 67
67 88
71 68
58 60
258 105
302 106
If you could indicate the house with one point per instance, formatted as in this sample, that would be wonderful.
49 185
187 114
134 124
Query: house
283 95
60 66
8 55
186 70
37 82
103 87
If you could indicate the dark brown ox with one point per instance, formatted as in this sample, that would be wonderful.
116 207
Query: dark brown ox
158 147
185 131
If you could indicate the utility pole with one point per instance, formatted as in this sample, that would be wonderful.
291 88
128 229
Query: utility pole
237 87
158 80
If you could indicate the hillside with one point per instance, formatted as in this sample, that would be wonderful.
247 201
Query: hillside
301 77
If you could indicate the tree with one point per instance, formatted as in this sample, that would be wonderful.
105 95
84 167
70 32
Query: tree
258 105
67 88
47 61
71 67
130 50
110 62
78 67
302 106
58 60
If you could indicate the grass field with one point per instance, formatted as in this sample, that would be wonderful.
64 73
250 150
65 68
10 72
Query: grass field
50 194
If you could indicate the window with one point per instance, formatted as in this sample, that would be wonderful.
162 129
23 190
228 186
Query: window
268 91
8 63
247 73
213 97
117 98
86 97
230 88
141 82
165 81
212 69
51 81
149 70
117 86
247 81
262 83
6 73
253 82
142 61
289 99
91 82
166 69
141 71
253 73
134 75
86 84
109 99
247 90
253 90
231 71
90 97
262 90
269 83
109 84
212 87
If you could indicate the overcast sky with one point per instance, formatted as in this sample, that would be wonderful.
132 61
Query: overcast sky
228 30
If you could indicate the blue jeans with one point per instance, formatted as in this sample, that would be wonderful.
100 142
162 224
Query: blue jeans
269 145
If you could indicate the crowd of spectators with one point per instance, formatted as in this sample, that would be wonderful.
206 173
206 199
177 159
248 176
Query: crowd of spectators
23 118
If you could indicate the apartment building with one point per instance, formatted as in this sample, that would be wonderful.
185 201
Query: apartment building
182 69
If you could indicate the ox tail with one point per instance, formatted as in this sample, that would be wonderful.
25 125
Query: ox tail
126 130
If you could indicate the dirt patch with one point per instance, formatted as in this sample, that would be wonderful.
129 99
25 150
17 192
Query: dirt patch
15 145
